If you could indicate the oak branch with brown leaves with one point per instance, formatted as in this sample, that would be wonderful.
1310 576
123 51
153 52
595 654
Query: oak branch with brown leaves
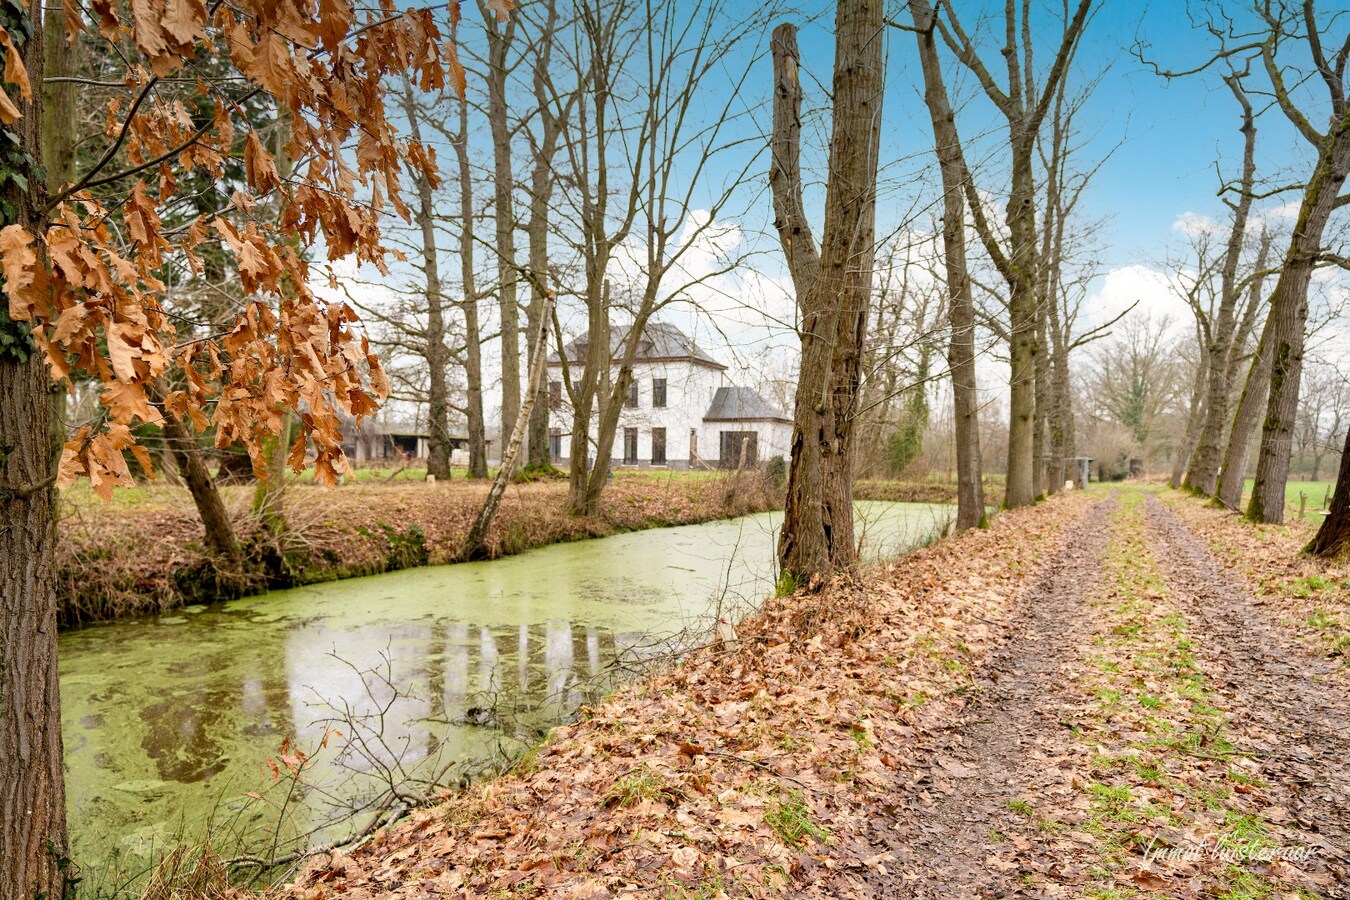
91 264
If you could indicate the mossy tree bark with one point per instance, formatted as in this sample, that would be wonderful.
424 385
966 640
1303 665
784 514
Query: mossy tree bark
1289 320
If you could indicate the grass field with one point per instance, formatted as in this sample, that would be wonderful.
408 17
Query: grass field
1316 492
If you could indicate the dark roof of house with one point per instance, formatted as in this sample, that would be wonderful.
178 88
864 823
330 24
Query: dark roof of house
660 342
739 403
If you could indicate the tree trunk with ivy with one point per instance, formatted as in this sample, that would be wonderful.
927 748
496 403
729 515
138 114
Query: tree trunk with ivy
33 854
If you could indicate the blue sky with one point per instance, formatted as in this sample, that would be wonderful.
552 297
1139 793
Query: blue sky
1164 136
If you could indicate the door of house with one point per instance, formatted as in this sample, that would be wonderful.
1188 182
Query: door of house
740 449
658 446
630 456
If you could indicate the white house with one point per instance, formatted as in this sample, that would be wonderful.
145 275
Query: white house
680 411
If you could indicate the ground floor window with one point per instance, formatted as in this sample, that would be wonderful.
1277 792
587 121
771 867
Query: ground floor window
658 446
740 449
555 443
630 456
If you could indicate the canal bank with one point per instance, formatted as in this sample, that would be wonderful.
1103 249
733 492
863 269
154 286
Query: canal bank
142 553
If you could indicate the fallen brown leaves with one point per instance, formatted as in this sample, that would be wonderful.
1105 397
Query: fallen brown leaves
740 772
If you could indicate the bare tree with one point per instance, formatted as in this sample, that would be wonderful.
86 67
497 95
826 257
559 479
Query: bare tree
905 335
475 542
473 337
632 224
433 336
833 286
544 149
1133 381
1255 388
1321 194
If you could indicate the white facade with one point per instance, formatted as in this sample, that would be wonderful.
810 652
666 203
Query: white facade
691 439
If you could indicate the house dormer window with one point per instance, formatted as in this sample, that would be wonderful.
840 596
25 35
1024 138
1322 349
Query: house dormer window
658 393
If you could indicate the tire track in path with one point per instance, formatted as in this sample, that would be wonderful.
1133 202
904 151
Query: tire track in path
1284 706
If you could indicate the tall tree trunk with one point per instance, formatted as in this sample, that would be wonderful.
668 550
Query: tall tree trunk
473 352
538 454
1203 475
32 790
475 542
541 195
817 535
1041 436
436 353
33 847
1333 538
1242 431
1289 315
1022 313
1194 417
500 35
1061 394
960 303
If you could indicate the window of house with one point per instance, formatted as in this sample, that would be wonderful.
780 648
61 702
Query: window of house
658 446
658 393
555 443
631 401
739 449
554 394
630 456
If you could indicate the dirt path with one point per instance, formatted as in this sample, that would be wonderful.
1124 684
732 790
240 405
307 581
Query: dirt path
1012 742
1144 731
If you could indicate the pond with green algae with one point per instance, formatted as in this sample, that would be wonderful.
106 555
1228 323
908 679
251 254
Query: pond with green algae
176 726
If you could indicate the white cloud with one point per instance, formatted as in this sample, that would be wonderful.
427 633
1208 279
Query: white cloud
1194 224
1153 294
